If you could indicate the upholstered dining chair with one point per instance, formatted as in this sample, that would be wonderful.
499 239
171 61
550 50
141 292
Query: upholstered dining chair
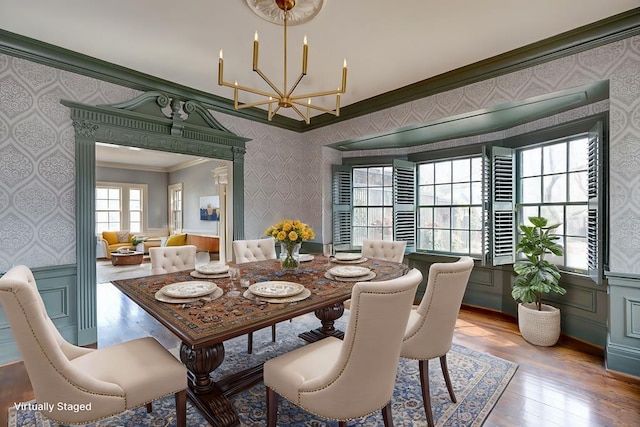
350 378
255 250
389 250
429 332
168 259
111 379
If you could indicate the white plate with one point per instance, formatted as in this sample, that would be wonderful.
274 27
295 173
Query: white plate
276 289
354 261
298 297
349 271
164 298
213 268
371 275
305 257
347 256
208 276
190 289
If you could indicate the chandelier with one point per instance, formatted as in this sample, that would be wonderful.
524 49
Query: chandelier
284 98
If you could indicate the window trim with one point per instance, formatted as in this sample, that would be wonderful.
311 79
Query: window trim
125 187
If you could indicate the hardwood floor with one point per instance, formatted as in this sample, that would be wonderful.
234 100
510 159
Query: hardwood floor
565 385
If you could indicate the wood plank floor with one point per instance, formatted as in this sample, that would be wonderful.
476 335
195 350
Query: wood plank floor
565 385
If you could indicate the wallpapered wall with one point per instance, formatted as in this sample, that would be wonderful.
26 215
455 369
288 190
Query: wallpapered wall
286 173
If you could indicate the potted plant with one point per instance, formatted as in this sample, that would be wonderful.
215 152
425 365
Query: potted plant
539 323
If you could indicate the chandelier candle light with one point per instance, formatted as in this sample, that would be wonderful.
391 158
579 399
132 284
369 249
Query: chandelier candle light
283 98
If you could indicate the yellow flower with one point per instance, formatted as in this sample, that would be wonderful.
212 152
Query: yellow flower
286 226
297 224
293 236
281 236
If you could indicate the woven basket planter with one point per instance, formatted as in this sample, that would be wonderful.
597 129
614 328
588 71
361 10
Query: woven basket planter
539 327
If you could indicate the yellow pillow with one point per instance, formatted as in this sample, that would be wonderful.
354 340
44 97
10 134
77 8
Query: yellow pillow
110 236
176 240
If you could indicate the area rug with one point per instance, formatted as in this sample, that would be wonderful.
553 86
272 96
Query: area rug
478 379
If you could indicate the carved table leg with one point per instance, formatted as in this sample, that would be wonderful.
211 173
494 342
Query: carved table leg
327 316
202 391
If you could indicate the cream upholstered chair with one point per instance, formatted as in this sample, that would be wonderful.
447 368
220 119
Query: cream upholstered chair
167 259
350 378
390 250
430 328
255 250
112 379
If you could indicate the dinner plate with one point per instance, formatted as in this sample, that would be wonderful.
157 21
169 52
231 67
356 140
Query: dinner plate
213 268
349 271
369 276
208 276
306 293
352 261
347 256
305 257
276 289
190 289
160 296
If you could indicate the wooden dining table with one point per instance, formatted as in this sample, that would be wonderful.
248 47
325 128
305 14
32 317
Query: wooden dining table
204 325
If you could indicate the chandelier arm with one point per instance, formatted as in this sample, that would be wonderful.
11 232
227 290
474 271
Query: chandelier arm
305 118
257 103
315 107
295 84
248 89
273 113
317 94
269 82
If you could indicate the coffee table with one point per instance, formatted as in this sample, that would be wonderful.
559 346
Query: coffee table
126 258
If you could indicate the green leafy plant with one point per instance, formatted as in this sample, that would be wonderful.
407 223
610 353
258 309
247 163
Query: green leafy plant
135 241
536 276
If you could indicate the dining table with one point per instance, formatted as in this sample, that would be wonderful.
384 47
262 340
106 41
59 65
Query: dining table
204 324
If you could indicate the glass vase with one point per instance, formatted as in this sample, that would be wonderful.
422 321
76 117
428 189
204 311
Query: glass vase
290 255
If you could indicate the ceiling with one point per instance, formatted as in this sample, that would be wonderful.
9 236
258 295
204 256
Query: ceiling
387 44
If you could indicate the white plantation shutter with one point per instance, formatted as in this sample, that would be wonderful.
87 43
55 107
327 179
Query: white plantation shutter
341 199
486 186
503 204
596 204
404 202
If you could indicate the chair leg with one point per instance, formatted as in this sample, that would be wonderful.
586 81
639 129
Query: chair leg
250 342
272 407
342 424
387 416
426 398
445 373
181 408
273 333
149 407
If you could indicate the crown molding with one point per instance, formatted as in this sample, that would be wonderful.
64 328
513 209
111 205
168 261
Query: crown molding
587 37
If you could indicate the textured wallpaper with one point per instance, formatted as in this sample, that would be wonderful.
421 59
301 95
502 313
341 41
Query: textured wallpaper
287 173
37 162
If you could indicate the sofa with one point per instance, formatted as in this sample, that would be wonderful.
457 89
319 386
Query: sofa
114 240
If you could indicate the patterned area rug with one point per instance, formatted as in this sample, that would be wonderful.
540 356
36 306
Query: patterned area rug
478 379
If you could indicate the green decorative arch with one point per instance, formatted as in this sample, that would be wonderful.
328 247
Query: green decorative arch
153 121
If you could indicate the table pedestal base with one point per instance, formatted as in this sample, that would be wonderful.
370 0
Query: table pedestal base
327 316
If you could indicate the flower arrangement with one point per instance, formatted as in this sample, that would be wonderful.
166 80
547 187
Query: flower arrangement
290 233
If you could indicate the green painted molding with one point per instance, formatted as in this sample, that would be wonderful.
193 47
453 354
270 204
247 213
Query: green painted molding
613 275
590 36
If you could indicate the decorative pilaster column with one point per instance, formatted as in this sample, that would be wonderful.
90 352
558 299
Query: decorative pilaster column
221 179
238 193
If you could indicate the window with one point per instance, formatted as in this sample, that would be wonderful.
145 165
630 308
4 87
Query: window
553 183
450 206
372 204
472 202
120 207
175 208
108 215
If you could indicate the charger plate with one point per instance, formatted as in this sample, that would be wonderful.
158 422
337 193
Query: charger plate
192 289
306 293
347 256
164 298
354 261
305 257
369 276
276 289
